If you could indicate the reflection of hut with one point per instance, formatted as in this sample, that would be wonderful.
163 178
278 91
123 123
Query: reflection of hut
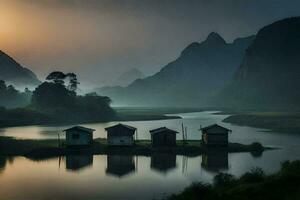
79 135
163 137
215 135
120 135
120 165
163 162
215 160
77 162
3 161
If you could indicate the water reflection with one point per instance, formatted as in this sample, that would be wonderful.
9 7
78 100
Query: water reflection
120 165
78 162
3 162
215 161
163 162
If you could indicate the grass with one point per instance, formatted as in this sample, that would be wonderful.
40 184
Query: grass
50 147
253 185
284 122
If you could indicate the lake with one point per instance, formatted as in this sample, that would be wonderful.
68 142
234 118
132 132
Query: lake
131 177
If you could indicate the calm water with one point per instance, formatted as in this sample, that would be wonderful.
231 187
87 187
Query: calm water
129 177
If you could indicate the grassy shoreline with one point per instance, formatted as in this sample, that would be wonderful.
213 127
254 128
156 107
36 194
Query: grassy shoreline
254 184
27 117
282 122
51 148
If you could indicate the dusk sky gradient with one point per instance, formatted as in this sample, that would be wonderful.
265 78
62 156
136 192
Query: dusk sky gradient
100 39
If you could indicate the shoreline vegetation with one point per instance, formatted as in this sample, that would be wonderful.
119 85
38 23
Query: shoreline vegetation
281 122
255 184
27 116
43 149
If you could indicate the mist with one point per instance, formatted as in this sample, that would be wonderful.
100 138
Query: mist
99 40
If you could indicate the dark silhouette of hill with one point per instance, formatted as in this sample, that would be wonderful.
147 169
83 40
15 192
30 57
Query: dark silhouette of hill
269 76
13 73
200 72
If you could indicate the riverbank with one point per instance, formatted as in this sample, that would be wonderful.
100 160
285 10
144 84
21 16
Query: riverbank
282 122
252 185
26 116
38 149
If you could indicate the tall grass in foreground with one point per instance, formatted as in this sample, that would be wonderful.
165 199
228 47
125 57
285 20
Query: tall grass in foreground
252 185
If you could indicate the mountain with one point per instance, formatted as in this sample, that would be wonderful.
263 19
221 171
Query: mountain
199 72
269 76
128 77
13 73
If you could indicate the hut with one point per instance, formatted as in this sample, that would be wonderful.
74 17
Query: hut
163 137
215 135
78 136
120 135
120 165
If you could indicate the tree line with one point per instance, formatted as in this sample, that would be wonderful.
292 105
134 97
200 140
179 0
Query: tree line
57 99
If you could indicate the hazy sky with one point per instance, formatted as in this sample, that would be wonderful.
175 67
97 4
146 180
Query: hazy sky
100 39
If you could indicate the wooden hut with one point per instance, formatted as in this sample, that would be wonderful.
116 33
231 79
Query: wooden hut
79 135
120 135
163 137
215 135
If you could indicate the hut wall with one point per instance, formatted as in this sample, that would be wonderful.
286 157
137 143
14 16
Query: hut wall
217 139
164 139
120 140
76 137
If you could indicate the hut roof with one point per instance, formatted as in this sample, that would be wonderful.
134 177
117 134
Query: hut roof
161 130
120 126
81 128
215 126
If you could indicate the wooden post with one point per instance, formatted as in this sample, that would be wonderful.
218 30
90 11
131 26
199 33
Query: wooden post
58 139
186 133
136 136
182 127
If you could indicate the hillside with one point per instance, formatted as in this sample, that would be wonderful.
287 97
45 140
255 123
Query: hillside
13 73
198 73
269 76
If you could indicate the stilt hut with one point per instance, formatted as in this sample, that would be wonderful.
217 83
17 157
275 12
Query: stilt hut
163 137
120 135
79 136
215 135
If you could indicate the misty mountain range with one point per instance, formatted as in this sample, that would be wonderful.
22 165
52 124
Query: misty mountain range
269 75
13 73
200 72
253 72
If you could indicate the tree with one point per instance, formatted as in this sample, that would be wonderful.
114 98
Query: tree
73 82
57 77
11 97
51 96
